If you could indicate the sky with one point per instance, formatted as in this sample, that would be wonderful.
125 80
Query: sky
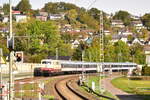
135 7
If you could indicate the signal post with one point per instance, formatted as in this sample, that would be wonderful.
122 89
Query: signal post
10 45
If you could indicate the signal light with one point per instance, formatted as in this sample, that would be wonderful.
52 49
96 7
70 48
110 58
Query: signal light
10 43
19 56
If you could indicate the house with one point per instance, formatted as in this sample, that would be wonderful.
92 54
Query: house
147 53
125 33
5 19
84 37
43 13
56 16
137 24
108 16
136 40
87 31
124 39
1 12
66 28
89 41
117 23
14 12
75 44
147 42
21 18
116 38
4 29
41 17
135 17
107 32
77 30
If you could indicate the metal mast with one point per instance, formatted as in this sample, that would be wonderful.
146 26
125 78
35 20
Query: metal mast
1 55
101 37
11 55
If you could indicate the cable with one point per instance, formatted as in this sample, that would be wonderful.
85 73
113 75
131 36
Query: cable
91 4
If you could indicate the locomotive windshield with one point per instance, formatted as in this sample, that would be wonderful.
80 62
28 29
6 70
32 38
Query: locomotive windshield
45 62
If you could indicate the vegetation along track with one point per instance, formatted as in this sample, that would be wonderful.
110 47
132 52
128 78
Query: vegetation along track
66 92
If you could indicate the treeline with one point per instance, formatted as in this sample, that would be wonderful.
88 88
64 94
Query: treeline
117 52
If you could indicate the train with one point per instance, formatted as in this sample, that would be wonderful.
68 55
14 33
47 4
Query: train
59 67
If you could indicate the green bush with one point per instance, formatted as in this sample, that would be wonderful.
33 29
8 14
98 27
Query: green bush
36 58
146 70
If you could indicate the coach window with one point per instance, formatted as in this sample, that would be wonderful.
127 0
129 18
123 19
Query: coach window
80 66
87 66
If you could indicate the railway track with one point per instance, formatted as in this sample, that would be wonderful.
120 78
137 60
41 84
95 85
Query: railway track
66 92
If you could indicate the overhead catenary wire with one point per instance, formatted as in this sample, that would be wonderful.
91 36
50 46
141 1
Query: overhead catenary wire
92 3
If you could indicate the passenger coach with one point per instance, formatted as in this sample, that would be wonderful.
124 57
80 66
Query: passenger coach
56 67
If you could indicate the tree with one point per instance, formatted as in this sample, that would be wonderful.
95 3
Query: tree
62 48
24 6
59 7
109 53
3 45
6 8
146 20
137 53
85 18
146 70
72 16
92 53
96 14
121 51
66 37
144 34
45 37
124 16
77 55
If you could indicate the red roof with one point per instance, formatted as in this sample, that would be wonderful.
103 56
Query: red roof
16 12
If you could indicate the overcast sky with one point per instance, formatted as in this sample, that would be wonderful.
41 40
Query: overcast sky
136 7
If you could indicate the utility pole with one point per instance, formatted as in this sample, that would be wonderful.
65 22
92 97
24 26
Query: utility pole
10 46
1 91
56 53
83 76
101 37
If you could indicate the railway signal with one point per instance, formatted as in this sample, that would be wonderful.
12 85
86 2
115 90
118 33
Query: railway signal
10 43
19 56
11 47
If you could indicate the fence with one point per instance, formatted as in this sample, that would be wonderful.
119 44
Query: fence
21 67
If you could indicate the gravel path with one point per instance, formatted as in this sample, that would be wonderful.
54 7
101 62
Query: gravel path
119 93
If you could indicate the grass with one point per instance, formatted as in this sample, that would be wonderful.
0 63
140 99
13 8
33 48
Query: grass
33 86
96 79
138 87
49 97
27 88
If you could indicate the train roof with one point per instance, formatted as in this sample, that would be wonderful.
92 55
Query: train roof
105 63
